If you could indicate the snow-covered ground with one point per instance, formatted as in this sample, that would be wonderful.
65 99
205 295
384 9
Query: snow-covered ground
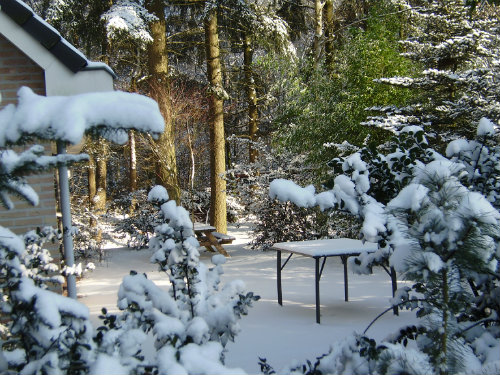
281 334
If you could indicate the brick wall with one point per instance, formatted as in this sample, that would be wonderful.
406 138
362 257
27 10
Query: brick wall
16 70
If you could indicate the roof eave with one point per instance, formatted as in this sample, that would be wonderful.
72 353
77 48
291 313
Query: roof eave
49 37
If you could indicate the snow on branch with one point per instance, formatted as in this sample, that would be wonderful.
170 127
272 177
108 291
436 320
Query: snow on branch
68 118
285 190
14 166
128 17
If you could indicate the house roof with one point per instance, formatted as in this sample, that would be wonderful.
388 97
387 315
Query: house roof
49 37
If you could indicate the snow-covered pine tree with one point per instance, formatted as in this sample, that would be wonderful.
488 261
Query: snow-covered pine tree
441 232
458 50
480 158
192 321
195 287
40 266
449 235
42 330
15 166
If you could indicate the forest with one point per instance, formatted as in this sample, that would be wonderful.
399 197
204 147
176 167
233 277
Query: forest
374 120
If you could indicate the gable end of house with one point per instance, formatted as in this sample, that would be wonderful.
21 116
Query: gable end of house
49 37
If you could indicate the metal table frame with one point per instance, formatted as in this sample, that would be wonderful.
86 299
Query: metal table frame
302 246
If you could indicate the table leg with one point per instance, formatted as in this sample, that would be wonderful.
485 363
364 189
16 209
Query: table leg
317 277
278 277
346 281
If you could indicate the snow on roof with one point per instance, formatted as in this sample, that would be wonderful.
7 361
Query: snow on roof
68 118
49 37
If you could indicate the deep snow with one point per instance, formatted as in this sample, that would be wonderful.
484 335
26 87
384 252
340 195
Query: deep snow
281 334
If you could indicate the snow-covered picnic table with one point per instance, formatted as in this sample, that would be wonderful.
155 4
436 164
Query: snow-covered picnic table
209 238
321 249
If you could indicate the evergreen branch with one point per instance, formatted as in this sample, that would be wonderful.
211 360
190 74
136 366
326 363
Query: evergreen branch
390 308
379 16
298 5
489 320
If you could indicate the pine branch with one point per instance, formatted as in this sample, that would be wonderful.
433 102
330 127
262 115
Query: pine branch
390 308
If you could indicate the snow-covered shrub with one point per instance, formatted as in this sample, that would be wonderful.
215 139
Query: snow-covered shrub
383 175
392 170
141 217
481 159
248 183
192 321
87 234
295 224
195 287
197 202
440 231
37 261
43 331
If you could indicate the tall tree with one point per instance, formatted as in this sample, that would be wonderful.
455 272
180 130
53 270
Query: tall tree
142 24
329 34
159 89
318 31
258 29
217 94
251 93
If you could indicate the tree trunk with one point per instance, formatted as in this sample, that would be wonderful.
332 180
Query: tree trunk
329 35
216 122
191 172
132 162
106 43
159 85
253 114
101 175
91 169
318 31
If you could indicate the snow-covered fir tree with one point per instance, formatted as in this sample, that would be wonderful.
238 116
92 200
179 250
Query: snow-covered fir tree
457 48
195 287
438 226
446 236
43 332
191 322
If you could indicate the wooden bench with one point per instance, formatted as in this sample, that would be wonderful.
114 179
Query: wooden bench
223 239
210 239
